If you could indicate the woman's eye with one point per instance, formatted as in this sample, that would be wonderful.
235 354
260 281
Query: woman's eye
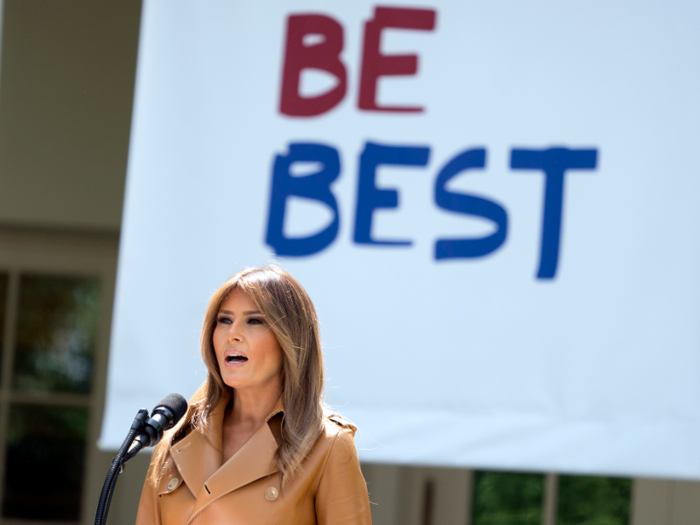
224 320
253 320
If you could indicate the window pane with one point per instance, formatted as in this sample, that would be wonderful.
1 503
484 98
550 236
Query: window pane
503 498
45 459
585 500
56 332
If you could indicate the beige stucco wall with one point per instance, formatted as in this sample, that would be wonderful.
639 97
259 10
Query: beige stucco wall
66 90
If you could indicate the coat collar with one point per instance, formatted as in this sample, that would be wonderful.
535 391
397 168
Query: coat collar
199 457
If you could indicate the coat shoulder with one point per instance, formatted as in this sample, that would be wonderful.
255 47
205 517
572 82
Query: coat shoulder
335 422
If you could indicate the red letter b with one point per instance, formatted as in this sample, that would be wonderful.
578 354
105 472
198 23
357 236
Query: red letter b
323 55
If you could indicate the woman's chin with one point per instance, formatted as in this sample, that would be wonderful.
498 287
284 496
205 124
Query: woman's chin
234 381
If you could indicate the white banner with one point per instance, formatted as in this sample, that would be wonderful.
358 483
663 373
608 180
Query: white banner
493 205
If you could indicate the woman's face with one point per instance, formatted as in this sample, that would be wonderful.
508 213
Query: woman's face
247 351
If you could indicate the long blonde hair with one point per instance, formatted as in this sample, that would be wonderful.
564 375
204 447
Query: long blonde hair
292 317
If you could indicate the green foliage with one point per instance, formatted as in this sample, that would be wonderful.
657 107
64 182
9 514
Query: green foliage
588 500
504 498
56 334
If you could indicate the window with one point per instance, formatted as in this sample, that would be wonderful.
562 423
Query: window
51 355
55 303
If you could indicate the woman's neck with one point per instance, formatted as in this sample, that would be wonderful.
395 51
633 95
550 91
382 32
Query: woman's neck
252 406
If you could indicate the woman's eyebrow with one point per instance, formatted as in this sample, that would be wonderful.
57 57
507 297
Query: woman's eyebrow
248 312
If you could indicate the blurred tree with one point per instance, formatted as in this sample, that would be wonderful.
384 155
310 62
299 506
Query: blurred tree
505 498
588 500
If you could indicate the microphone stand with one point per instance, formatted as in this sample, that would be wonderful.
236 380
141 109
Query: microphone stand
117 467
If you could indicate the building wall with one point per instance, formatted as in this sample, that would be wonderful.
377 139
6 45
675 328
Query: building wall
66 92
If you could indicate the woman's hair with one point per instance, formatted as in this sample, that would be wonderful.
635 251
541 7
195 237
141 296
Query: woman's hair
292 318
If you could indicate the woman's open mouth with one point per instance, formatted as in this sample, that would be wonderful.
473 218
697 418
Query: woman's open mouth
235 359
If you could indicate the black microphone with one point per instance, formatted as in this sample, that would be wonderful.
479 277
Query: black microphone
164 417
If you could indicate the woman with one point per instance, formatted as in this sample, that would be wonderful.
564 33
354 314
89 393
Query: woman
256 446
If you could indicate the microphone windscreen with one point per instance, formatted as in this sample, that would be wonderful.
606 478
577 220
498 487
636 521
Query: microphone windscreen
176 404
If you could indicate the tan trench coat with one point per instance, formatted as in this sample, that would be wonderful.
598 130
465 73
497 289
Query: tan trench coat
195 488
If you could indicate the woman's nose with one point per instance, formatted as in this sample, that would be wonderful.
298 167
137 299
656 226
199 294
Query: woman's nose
234 334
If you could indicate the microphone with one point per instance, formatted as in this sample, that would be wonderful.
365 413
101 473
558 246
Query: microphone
164 417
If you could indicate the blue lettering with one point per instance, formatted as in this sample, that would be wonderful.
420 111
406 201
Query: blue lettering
554 162
315 186
470 205
369 197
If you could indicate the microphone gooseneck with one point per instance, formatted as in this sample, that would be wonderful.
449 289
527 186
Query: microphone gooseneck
144 431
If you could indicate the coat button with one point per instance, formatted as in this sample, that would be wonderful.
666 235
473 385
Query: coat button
271 494
172 484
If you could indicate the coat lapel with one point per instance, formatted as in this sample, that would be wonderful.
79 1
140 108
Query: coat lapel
199 454
199 459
